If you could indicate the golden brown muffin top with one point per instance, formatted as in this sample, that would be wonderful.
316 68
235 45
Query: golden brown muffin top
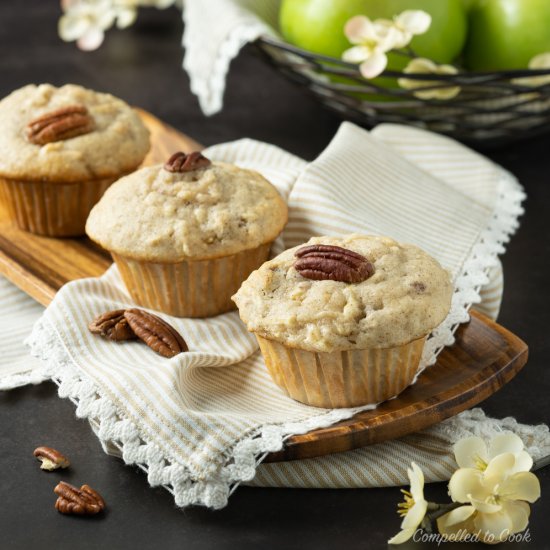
216 210
68 134
405 297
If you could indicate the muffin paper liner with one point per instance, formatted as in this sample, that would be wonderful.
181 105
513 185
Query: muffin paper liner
342 378
52 209
201 288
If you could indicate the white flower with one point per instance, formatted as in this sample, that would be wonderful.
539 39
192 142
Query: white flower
87 20
414 508
373 39
495 485
541 61
420 65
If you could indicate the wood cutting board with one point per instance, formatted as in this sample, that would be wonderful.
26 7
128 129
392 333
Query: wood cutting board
484 358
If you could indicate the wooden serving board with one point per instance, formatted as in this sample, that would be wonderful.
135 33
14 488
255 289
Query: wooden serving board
484 358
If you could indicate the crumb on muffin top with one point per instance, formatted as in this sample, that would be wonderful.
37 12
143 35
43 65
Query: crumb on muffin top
162 216
405 298
116 143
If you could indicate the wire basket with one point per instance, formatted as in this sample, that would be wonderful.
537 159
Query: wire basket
491 109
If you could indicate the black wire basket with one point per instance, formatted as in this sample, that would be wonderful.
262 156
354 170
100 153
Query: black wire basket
491 109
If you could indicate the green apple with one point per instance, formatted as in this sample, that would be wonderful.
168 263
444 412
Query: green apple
318 25
506 34
469 4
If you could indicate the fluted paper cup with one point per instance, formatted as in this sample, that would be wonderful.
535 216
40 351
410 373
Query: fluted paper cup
54 209
342 378
201 288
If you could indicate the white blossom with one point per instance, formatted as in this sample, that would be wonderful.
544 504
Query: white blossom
414 508
420 65
87 20
495 485
373 39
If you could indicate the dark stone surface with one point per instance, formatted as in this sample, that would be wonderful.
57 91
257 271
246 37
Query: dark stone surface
142 65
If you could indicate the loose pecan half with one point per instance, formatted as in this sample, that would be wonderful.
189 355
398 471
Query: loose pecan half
51 459
156 333
64 123
320 262
72 500
181 162
113 326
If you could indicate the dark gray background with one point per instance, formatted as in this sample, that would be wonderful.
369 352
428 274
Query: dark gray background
143 66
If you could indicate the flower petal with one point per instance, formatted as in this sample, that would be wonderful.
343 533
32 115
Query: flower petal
402 536
414 21
469 445
486 507
388 36
518 512
357 54
497 526
416 478
104 19
500 466
67 5
520 486
464 483
374 65
415 515
71 28
450 526
458 515
540 61
448 92
91 40
524 462
359 29
505 443
468 449
446 69
125 17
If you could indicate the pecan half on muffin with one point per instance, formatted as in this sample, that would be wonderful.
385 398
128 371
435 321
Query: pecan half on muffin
342 321
60 148
187 233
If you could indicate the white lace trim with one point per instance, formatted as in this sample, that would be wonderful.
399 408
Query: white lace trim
475 273
118 435
35 376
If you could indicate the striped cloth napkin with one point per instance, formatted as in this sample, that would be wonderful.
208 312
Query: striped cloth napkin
200 422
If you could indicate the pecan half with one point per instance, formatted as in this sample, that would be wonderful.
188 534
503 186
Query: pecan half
113 326
180 162
51 459
64 123
72 500
321 262
156 333
419 287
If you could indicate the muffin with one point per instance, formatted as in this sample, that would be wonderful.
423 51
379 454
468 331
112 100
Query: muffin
60 149
342 321
187 233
